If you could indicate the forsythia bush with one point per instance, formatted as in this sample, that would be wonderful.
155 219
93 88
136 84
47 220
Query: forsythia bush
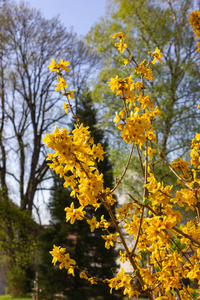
170 243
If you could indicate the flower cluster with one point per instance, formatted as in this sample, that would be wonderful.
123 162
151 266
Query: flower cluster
121 45
74 160
194 20
136 124
123 280
66 262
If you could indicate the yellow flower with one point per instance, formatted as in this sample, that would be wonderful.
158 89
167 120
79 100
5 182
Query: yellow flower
61 85
119 35
92 223
116 119
92 280
70 94
194 19
157 55
67 262
83 275
54 66
64 64
144 70
74 214
121 86
110 239
65 107
123 256
57 253
121 45
126 61
71 270
150 152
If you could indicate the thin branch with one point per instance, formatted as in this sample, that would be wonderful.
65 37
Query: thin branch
183 253
11 174
143 205
186 235
126 168
138 233
173 171
37 212
140 159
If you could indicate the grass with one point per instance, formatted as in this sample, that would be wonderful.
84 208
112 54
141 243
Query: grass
9 297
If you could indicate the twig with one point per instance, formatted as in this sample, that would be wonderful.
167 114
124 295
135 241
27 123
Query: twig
183 253
138 233
70 106
126 168
124 100
136 201
140 159
173 171
197 207
132 57
80 163
146 169
186 235
143 205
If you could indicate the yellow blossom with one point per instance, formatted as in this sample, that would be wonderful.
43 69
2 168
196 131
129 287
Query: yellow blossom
70 94
61 84
121 45
71 271
126 61
157 55
150 152
57 253
119 35
74 214
83 275
65 107
162 238
92 223
110 239
64 64
54 66
67 262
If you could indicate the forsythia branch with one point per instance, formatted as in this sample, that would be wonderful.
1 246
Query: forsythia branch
166 247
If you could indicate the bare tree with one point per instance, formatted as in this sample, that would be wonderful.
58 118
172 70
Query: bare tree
29 105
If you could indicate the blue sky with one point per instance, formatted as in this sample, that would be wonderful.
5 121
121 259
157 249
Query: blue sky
79 14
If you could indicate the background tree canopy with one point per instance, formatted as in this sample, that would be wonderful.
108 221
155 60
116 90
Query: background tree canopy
175 88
